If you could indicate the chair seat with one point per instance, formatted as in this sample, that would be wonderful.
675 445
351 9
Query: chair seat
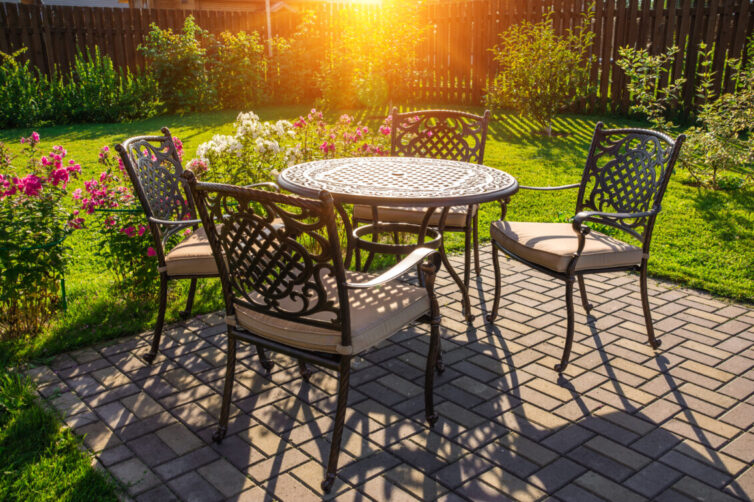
456 216
552 245
376 314
192 256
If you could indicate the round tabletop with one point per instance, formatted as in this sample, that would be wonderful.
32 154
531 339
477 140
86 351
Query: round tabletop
403 181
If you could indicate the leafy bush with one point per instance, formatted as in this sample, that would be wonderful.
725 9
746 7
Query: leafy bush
36 221
719 151
542 73
92 91
24 92
259 149
179 63
652 92
296 61
97 92
239 70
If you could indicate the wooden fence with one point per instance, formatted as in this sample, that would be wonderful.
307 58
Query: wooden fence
454 58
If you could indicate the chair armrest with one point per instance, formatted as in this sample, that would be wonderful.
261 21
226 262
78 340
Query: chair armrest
563 187
400 268
583 215
175 223
268 184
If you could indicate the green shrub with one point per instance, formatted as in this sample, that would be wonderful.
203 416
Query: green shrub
24 93
542 73
296 61
719 150
98 92
179 62
653 94
238 70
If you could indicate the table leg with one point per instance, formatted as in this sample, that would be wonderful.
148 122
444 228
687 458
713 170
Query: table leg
458 280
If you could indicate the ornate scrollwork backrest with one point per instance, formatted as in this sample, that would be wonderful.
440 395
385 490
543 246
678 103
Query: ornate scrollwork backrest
278 253
439 134
155 170
627 171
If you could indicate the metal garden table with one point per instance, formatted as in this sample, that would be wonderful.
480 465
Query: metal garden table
411 182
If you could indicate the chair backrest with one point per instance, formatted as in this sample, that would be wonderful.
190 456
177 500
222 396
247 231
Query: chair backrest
439 134
155 170
627 171
277 270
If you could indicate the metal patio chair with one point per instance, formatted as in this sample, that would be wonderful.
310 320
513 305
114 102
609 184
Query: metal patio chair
626 175
440 134
155 170
286 289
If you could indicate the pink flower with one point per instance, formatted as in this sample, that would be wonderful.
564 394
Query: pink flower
151 251
23 140
345 119
76 194
59 176
30 185
385 130
142 229
301 122
178 147
103 177
110 221
35 136
187 232
130 231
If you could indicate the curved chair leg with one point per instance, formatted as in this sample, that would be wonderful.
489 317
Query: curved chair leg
304 370
340 419
475 224
230 373
267 364
498 284
569 329
186 313
467 258
149 357
654 342
582 292
439 365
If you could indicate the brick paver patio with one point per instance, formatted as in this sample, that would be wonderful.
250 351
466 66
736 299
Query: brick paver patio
624 423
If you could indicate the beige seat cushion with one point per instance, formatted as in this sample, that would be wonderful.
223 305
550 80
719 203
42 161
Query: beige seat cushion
456 215
552 245
193 256
376 314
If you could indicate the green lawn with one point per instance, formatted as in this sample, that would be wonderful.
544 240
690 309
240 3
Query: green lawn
702 239
42 460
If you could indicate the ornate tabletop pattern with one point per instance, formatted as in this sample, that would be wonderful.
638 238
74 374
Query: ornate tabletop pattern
399 180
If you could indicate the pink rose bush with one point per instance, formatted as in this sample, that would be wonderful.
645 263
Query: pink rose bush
259 150
36 219
123 237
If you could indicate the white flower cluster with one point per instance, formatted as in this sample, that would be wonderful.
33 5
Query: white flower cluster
219 145
253 137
